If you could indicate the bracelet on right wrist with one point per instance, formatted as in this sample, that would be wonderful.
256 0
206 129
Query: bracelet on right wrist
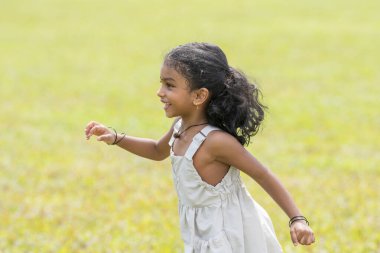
116 140
122 137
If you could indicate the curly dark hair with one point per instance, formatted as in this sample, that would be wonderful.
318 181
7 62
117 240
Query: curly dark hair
234 104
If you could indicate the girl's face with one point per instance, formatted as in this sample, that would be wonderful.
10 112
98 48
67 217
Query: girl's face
175 93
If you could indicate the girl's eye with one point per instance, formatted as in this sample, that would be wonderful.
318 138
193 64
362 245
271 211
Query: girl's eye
167 85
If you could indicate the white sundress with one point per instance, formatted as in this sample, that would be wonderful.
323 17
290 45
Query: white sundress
222 218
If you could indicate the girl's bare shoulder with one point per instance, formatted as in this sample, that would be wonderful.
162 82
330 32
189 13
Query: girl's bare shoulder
220 141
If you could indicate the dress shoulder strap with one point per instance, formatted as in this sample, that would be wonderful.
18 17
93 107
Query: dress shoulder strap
198 139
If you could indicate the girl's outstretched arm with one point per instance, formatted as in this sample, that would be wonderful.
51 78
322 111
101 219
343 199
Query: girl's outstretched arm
237 156
148 148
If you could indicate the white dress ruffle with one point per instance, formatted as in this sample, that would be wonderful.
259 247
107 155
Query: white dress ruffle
222 218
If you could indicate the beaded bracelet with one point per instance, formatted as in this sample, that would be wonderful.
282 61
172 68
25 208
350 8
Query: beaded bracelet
298 218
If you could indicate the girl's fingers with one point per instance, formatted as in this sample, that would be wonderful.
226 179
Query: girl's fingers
306 238
90 126
293 235
301 234
103 133
311 239
302 238
96 130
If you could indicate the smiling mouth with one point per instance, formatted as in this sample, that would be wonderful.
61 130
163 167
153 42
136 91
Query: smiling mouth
166 105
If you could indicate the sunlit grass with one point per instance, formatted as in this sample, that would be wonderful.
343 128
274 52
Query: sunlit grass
64 63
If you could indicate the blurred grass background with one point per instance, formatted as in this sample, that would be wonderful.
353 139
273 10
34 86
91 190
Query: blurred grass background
64 63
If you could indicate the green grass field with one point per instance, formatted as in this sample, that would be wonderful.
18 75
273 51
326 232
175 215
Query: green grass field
64 63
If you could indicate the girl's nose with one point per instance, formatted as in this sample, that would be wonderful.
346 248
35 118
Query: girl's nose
160 92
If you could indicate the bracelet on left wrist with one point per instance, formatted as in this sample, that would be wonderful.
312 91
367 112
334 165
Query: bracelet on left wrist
298 218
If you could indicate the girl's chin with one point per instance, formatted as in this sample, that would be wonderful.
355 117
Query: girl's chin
170 115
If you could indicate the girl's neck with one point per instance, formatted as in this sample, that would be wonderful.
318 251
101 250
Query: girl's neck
189 121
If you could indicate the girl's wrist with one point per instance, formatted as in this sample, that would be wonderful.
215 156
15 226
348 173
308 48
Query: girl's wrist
298 218
117 137
299 221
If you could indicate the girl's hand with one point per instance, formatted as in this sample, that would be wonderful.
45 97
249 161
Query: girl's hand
104 133
301 233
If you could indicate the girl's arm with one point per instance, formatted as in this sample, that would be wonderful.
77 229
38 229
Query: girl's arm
237 156
148 148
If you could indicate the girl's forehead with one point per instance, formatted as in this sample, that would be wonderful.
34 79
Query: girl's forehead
170 73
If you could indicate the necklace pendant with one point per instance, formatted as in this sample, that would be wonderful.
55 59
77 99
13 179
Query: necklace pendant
178 135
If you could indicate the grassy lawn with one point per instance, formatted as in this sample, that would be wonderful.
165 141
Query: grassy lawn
64 63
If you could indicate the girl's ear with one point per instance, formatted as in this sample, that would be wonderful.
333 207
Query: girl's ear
200 96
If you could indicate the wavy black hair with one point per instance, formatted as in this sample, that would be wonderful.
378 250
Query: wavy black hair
234 104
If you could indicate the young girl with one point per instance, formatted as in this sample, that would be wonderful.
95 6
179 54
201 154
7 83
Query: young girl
217 111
